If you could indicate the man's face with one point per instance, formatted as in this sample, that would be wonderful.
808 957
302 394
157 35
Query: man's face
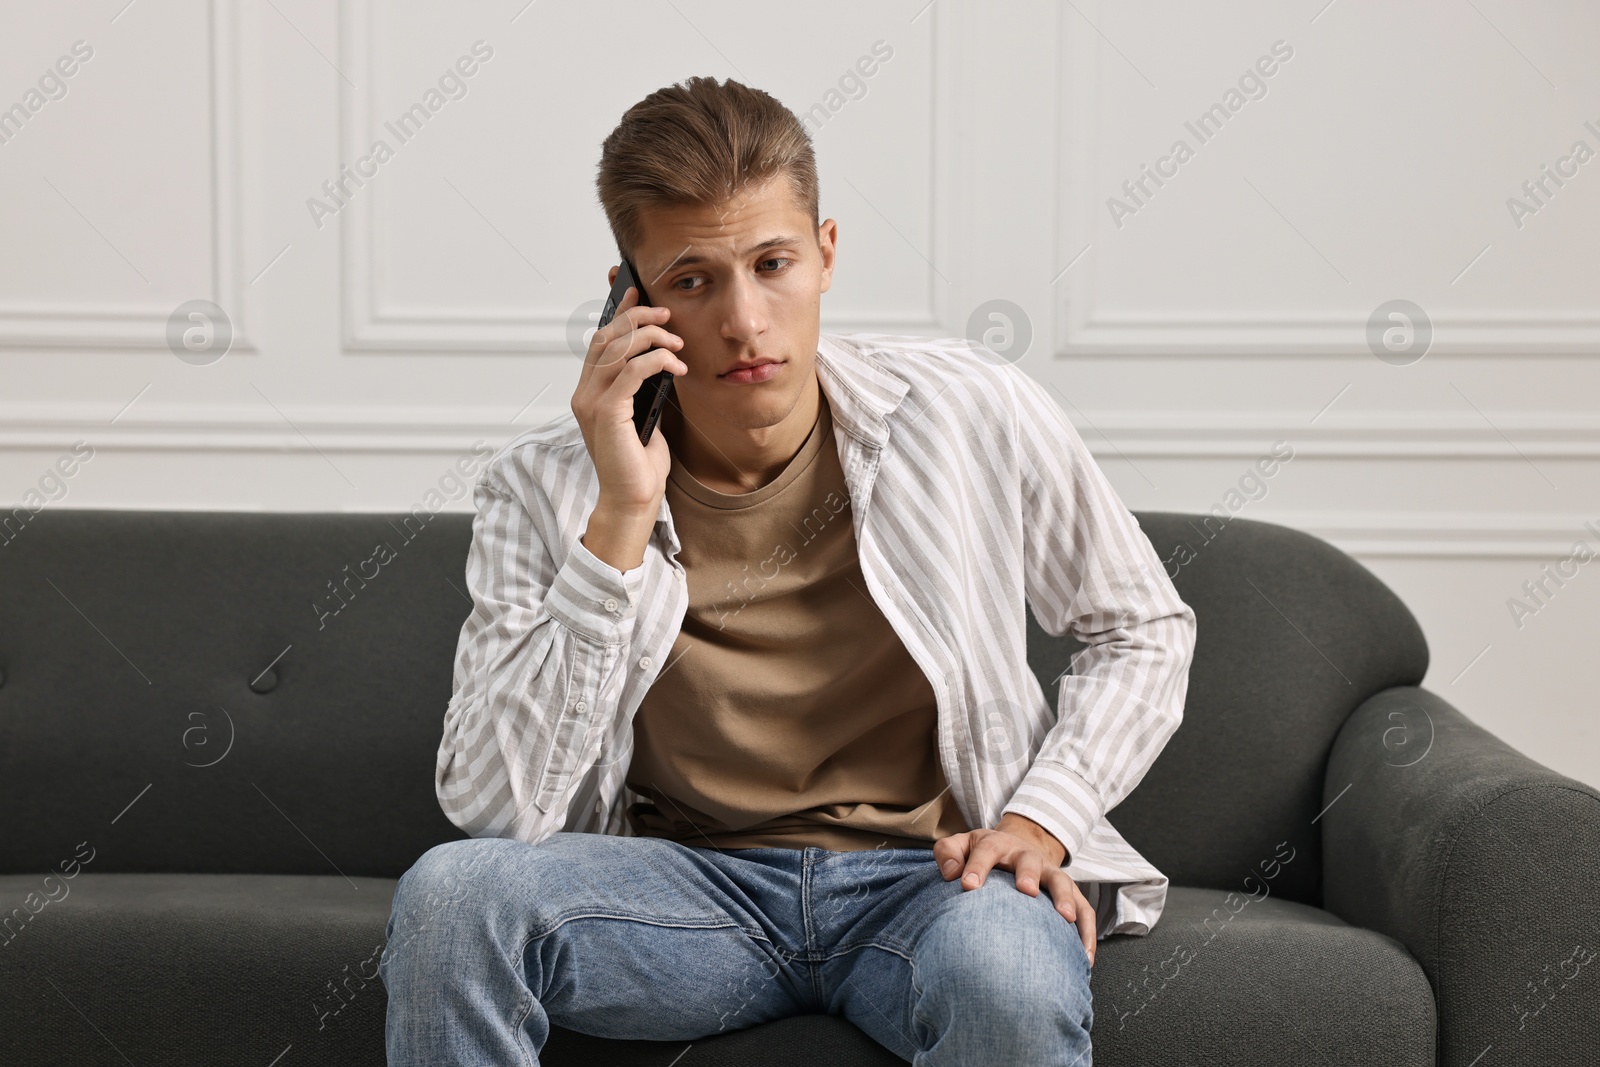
744 282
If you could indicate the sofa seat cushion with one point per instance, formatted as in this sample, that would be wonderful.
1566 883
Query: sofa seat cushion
205 968
1226 978
194 969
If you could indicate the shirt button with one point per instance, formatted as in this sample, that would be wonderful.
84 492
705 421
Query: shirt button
611 603
581 705
644 662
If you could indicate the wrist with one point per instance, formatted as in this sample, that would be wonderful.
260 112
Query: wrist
618 536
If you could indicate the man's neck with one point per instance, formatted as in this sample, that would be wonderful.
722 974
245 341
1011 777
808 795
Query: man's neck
739 461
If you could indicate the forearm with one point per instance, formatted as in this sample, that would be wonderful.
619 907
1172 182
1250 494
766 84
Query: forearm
534 674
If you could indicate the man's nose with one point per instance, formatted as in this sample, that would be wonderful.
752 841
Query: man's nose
742 317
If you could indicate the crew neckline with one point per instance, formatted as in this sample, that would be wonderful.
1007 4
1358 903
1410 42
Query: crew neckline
809 450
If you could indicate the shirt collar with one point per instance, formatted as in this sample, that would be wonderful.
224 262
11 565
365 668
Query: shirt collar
861 395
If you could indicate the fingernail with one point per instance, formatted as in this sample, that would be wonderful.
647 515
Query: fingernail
949 867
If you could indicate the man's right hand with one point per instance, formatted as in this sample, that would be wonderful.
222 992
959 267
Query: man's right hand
633 477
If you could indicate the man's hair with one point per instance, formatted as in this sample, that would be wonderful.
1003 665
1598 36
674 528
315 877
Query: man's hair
700 143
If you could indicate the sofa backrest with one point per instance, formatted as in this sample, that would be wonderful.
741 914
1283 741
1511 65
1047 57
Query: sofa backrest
130 641
1291 636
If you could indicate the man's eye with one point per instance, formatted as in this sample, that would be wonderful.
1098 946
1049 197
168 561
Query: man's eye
682 286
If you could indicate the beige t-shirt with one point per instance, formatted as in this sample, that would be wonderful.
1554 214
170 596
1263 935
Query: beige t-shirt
789 713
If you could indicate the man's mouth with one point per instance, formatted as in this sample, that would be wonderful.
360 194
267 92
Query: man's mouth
753 373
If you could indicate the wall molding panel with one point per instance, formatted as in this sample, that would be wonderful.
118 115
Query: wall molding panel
142 328
1083 328
371 327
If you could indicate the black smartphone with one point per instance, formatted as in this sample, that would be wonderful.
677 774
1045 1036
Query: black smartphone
652 394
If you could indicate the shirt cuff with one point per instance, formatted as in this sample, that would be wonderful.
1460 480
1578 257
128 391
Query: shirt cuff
1060 800
592 598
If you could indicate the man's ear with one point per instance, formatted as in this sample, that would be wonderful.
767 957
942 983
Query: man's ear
827 245
611 279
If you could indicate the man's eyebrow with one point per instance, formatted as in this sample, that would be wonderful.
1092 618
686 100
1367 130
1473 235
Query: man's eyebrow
771 242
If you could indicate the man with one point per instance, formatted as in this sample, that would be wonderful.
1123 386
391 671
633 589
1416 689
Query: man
743 725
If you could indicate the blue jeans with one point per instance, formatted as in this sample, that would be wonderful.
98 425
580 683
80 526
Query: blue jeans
490 940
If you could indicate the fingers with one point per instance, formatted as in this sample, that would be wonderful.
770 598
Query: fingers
610 351
630 300
1027 871
629 319
989 849
621 356
605 332
981 851
977 852
1074 907
950 853
632 330
637 368
1064 894
1087 921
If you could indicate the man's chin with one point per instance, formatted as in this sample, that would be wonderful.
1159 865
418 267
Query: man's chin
746 407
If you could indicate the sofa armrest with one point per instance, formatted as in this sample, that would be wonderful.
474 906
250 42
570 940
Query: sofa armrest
1483 863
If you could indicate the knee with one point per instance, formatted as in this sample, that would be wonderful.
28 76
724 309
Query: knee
1009 958
443 873
446 886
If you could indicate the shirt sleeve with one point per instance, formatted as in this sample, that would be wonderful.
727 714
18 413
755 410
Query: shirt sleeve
1091 571
527 710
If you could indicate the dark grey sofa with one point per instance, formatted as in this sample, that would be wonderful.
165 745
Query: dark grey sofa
234 776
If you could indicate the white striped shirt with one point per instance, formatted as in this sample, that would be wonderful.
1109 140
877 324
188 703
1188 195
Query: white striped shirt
969 490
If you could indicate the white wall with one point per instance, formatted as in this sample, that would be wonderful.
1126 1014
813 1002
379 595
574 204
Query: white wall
1223 312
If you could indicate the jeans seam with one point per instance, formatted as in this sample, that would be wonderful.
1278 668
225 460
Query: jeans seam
852 852
808 861
624 916
528 1054
872 942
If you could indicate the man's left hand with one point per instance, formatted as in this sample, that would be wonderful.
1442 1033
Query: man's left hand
1031 854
